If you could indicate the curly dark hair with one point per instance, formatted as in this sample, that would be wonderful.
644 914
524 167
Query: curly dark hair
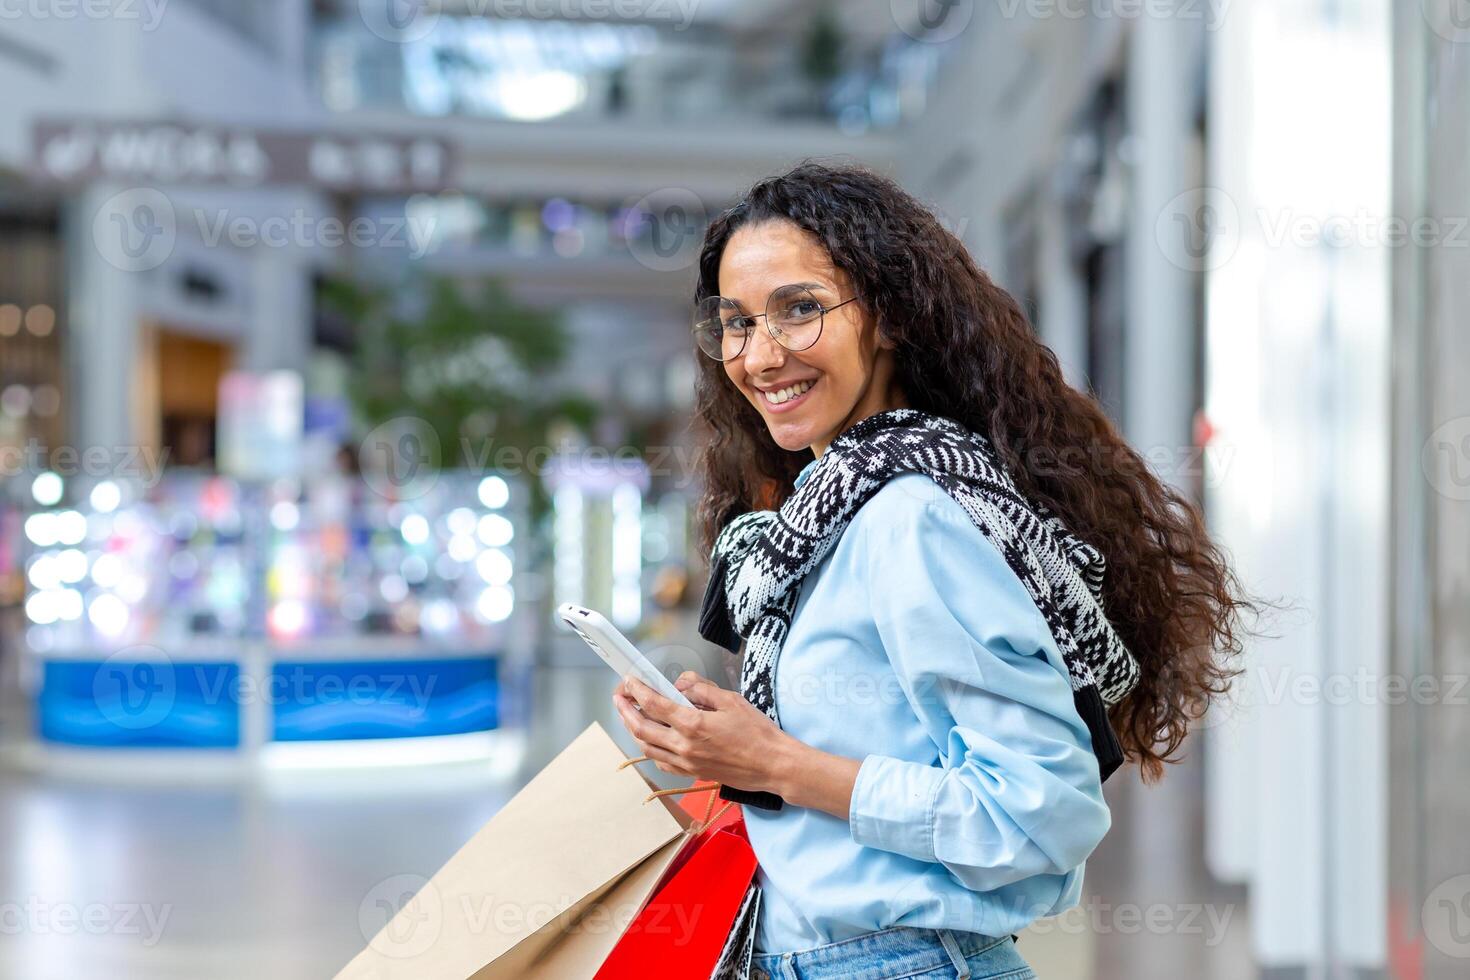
964 349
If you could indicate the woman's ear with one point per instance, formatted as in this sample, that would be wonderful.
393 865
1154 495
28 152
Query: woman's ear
884 341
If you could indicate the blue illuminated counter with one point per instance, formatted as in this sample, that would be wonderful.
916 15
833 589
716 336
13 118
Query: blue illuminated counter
243 696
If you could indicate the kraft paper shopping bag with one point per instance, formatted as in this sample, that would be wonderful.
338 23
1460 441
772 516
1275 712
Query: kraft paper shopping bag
547 887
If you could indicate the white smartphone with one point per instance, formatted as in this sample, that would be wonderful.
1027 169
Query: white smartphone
617 651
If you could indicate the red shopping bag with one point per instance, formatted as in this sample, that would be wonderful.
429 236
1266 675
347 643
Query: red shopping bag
687 924
707 820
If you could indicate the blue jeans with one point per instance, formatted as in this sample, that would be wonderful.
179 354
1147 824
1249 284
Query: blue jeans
902 952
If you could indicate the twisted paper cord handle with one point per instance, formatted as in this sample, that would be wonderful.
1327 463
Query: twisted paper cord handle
712 788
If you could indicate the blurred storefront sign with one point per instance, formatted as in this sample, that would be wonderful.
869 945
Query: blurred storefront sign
178 152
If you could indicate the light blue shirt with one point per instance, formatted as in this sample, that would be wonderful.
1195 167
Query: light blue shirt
915 648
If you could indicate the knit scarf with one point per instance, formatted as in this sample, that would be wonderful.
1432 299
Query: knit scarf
760 559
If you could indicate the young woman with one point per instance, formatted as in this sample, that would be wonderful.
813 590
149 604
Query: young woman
963 599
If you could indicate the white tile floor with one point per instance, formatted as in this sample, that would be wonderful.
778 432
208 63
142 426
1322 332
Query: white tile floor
244 882
265 879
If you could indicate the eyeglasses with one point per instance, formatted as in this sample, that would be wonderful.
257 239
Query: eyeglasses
794 319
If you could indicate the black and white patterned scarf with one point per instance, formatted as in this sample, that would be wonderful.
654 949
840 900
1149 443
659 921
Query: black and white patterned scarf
761 558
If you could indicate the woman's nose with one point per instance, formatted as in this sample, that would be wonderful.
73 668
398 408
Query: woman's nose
762 351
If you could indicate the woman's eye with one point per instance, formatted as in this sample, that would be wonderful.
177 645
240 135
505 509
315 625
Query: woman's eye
737 325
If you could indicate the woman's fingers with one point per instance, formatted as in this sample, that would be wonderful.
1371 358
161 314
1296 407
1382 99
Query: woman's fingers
667 761
658 707
703 693
640 727
645 732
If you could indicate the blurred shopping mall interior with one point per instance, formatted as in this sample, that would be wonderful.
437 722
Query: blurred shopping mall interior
341 340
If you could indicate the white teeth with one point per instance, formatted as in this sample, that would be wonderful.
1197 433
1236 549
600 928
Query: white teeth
786 394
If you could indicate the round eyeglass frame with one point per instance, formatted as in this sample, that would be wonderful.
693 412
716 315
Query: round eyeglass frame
821 322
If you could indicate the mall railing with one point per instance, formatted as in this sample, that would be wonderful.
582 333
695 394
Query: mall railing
536 70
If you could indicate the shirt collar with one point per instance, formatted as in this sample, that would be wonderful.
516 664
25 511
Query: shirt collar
806 471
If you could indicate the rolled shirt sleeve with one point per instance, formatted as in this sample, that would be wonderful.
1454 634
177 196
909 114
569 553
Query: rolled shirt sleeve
1015 789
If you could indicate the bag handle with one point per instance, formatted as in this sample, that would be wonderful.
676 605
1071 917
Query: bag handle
712 788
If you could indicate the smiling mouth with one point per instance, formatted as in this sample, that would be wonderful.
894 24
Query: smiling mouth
783 395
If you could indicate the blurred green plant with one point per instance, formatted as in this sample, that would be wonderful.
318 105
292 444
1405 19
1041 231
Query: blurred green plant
466 358
822 48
